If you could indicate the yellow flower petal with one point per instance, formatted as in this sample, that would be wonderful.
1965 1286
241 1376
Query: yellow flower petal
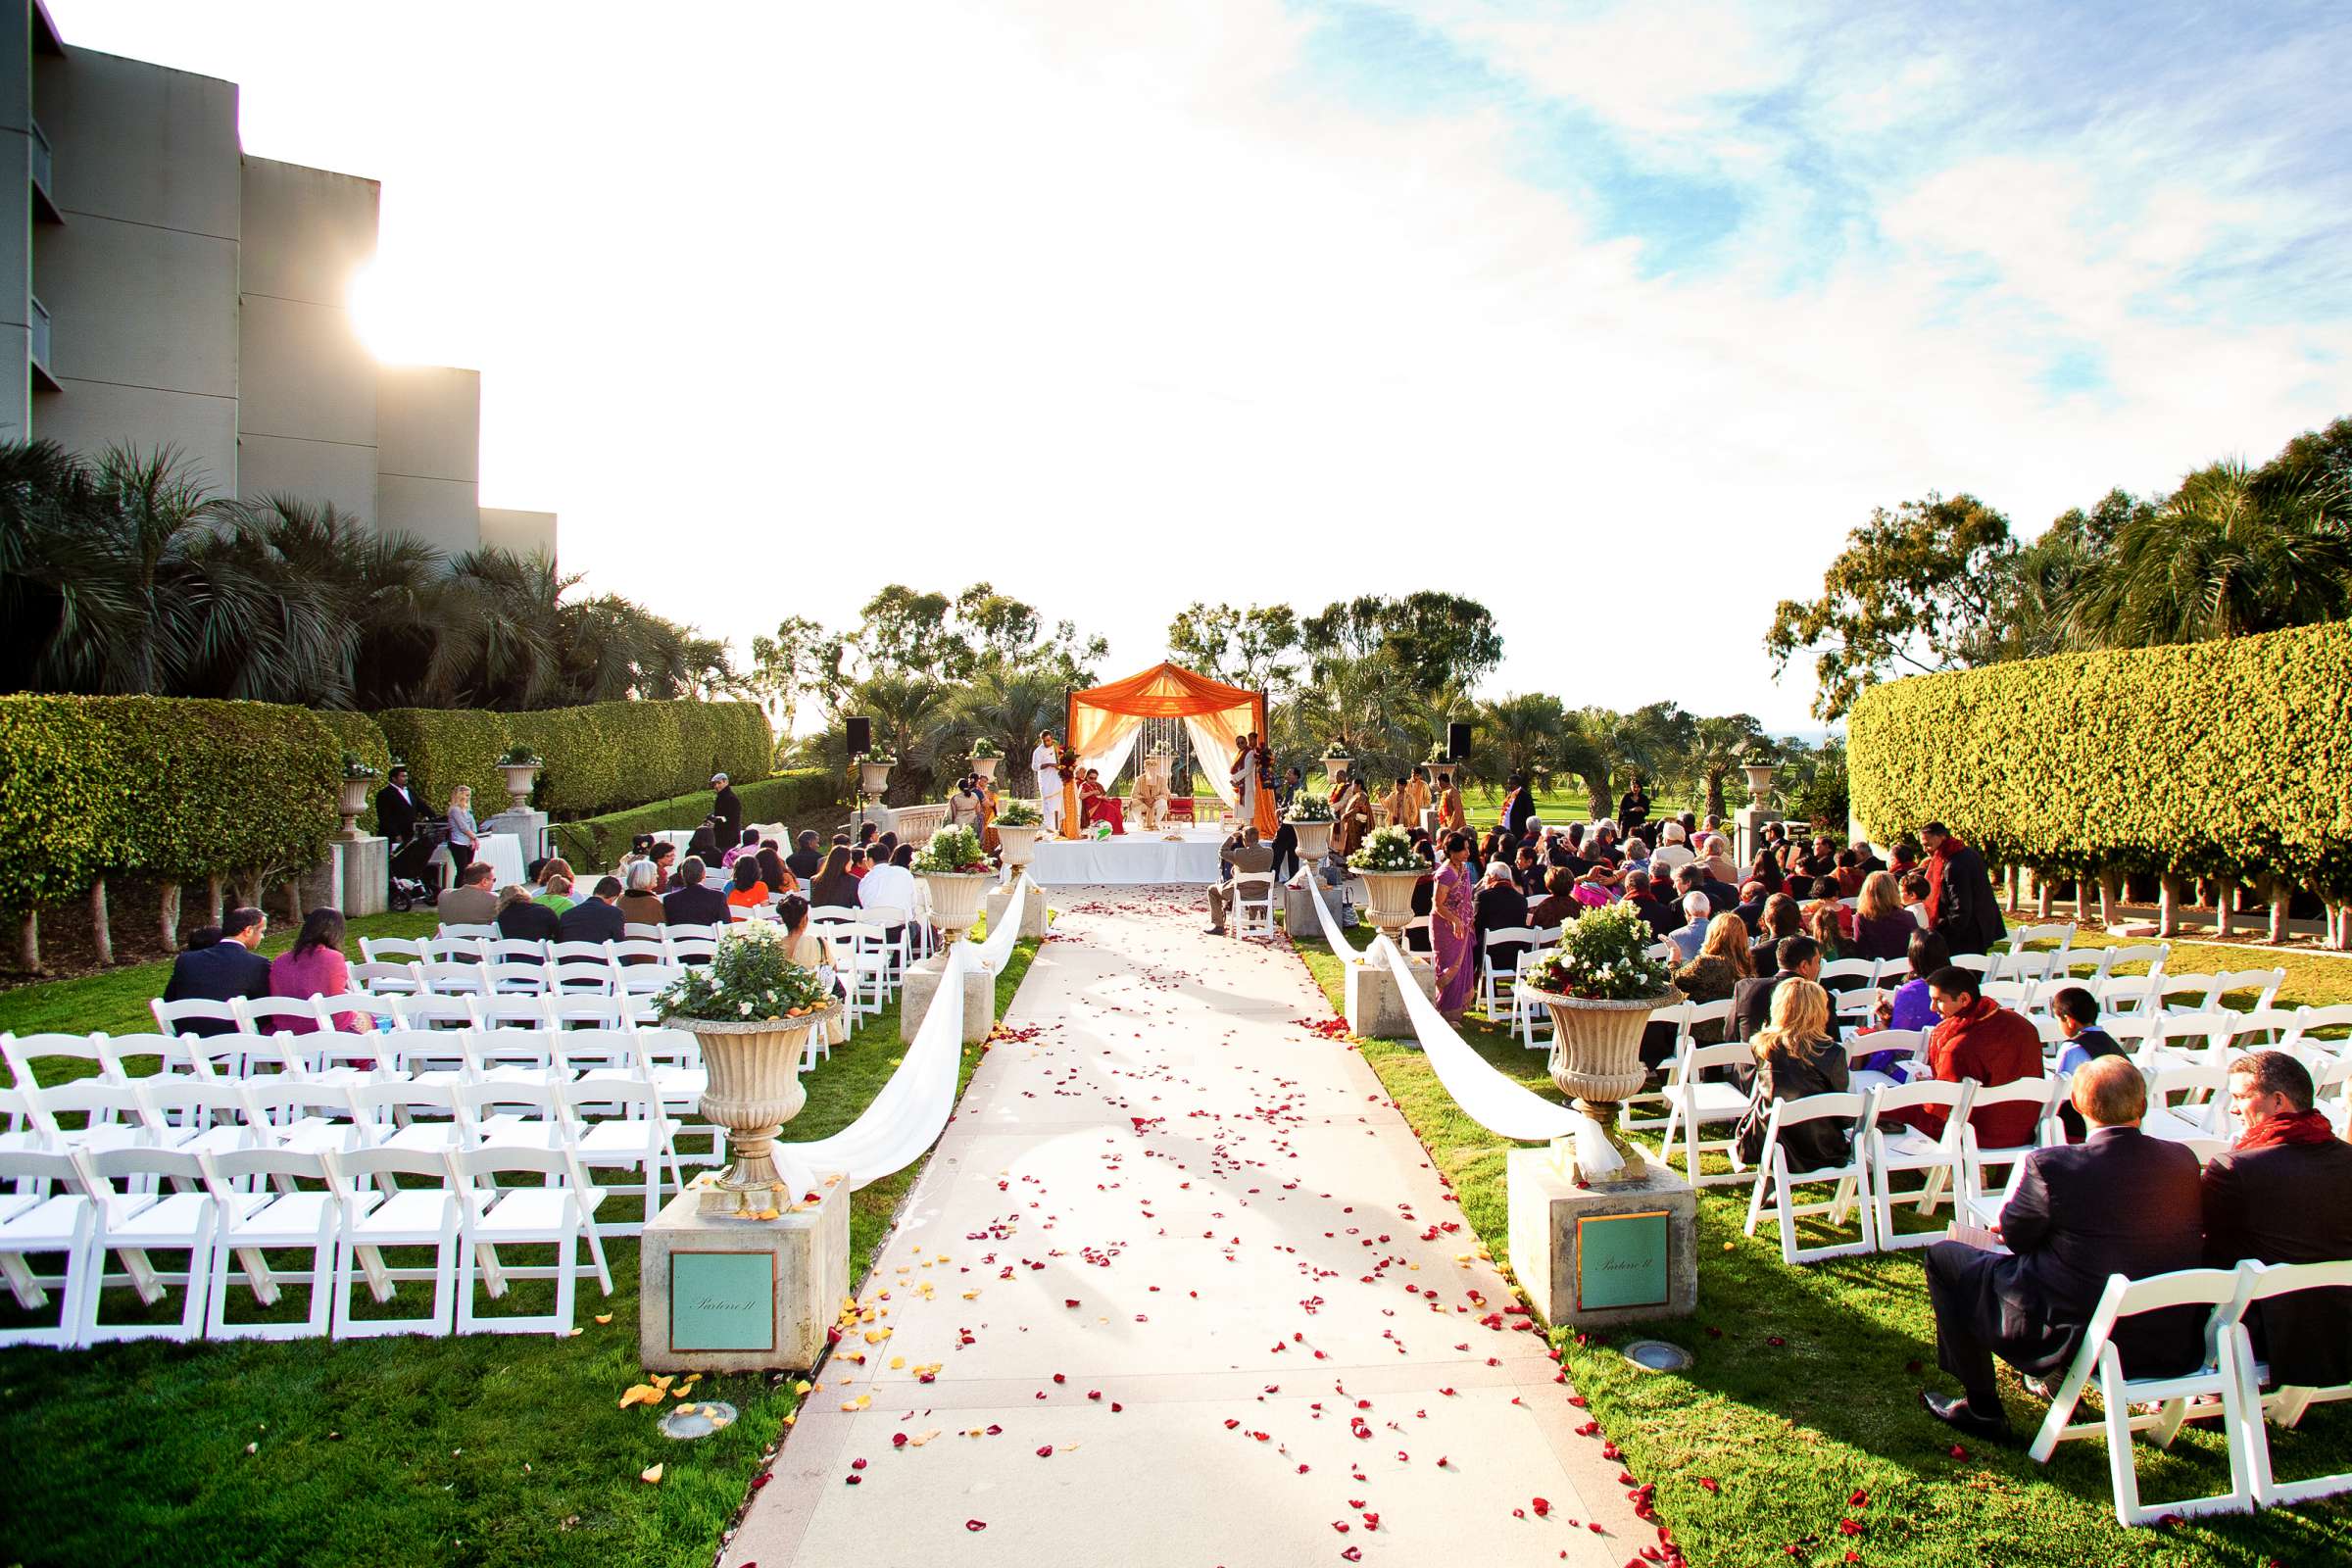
604 1317
651 1476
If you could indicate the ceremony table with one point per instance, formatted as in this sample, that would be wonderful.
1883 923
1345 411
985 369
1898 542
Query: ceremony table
1139 860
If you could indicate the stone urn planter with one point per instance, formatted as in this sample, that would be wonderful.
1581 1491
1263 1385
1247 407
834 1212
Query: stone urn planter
351 800
1314 842
1759 781
1019 846
986 767
873 778
753 1090
1334 768
519 779
1597 1060
956 899
1389 901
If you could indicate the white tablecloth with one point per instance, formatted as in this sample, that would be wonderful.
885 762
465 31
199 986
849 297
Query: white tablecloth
1135 860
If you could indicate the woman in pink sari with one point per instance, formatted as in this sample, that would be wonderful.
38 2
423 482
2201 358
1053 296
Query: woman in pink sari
1453 928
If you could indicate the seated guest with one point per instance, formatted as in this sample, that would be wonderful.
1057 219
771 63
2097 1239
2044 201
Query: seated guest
1782 917
1528 871
747 891
220 966
1915 888
1911 1007
1688 937
1866 856
1765 871
1881 930
1637 854
523 918
1797 957
890 886
1661 913
1850 874
748 845
1558 906
1722 963
1673 852
1716 860
833 887
692 904
315 967
557 897
1250 861
1500 907
2282 1194
1098 805
803 945
1601 843
806 859
1984 1041
1906 857
1594 887
703 843
2120 1202
774 871
640 904
665 856
472 902
1797 1055
1823 926
596 917
1751 907
2077 1013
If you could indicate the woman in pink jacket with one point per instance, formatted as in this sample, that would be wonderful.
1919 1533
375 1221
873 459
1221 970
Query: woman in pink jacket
315 967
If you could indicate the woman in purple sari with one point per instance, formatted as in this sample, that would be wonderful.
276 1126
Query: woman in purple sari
1453 928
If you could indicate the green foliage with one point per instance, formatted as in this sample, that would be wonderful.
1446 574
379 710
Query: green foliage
1819 791
1251 648
445 748
951 850
747 980
1603 956
1018 814
1389 849
1436 640
364 738
1309 806
798 798
599 758
175 788
2226 758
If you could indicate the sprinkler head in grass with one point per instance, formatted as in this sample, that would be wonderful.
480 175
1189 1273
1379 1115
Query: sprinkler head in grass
1656 1355
697 1418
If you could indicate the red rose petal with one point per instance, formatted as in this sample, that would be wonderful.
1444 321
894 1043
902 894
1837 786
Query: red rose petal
1046 1453
1710 1484
857 1464
975 1524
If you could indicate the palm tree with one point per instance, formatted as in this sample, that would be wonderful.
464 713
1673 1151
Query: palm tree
499 642
1523 733
1358 702
1008 705
906 709
378 590
2221 558
1716 745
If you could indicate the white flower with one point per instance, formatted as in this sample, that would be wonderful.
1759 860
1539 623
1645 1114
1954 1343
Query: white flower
744 1009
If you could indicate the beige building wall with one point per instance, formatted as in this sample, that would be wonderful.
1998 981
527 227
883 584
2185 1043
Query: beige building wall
307 384
524 533
429 421
142 278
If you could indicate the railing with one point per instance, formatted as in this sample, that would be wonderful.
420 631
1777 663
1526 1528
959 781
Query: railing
41 335
44 162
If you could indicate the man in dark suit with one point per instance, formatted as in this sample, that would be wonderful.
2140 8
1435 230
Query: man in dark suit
726 807
396 809
1519 807
2282 1194
1961 907
222 966
803 861
1501 906
2120 1202
1799 958
690 902
594 919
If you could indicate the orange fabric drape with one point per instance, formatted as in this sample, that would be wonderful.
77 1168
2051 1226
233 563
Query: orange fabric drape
1163 691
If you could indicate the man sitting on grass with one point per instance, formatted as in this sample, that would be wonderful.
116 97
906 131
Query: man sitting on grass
2122 1203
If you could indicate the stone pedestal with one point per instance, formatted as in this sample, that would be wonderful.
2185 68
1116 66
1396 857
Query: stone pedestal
1375 1006
1033 913
367 875
922 984
719 1294
1619 1264
530 829
1298 917
1750 820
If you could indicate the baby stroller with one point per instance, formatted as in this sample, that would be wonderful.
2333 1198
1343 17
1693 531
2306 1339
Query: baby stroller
413 878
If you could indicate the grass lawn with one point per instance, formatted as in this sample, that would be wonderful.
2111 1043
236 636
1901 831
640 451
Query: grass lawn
1805 1394
1558 807
488 1448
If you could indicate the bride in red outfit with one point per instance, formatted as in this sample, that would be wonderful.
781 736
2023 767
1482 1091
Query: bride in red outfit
1099 804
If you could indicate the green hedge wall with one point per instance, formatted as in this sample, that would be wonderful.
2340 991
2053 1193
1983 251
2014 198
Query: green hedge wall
364 738
2230 759
596 759
172 788
804 798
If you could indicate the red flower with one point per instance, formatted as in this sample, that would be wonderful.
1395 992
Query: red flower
1710 1483
1352 1555
975 1524
1543 1506
1046 1453
857 1464
1849 1526
1860 1500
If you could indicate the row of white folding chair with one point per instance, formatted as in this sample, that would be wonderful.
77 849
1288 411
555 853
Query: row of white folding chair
2228 1382
468 943
245 1203
245 1018
869 965
1495 983
591 977
2017 962
608 1117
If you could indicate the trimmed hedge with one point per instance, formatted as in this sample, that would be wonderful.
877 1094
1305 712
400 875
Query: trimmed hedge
174 787
2229 758
364 738
599 758
798 798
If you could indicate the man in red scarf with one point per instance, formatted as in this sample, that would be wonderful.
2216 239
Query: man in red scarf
1983 1039
2282 1194
1962 907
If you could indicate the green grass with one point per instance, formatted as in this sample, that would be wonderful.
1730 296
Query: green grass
1789 1431
485 1450
1556 808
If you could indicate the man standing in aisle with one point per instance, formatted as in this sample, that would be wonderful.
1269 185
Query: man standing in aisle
1961 906
1046 763
726 807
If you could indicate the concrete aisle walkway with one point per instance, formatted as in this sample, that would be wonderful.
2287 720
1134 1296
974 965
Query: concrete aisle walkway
1183 1242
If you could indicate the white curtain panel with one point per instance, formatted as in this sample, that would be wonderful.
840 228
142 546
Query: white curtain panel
1217 757
1115 749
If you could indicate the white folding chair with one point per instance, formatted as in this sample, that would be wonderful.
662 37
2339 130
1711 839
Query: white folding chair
392 952
2282 1406
373 1011
39 1058
1692 1102
2262 983
172 1017
1980 963
1253 906
378 1213
2188 1103
526 1114
386 1116
463 931
582 977
580 1012
1494 985
1911 1044
2185 1040
1775 1177
202 1115
87 1114
45 1211
1889 1147
515 950
1981 1198
634 950
1863 971
672 1060
559 1211
2335 1018
253 1218
446 979
2216 1378
641 931
1529 1016
133 1224
507 979
638 1135
2155 954
510 1012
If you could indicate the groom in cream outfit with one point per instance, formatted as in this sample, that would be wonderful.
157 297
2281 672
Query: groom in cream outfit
1046 763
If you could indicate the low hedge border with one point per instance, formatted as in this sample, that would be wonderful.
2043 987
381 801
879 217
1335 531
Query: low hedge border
601 757
2229 758
797 798
364 738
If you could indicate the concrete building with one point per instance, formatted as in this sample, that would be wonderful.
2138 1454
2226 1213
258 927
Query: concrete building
165 289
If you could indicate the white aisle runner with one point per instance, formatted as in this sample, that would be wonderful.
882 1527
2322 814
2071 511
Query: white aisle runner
1186 1245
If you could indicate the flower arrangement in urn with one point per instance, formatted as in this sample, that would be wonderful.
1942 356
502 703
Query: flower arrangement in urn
750 1007
1310 817
1600 987
955 870
351 796
952 851
986 748
1390 867
1309 806
1389 849
1018 814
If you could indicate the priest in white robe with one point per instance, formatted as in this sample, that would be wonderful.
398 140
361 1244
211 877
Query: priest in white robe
1046 763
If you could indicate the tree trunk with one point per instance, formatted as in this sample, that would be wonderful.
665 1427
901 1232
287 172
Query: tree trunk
2083 880
294 900
2111 897
2168 906
102 937
1715 796
212 899
2041 893
2224 896
28 942
167 918
2283 893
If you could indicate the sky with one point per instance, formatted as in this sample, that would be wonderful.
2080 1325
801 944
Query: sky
1615 317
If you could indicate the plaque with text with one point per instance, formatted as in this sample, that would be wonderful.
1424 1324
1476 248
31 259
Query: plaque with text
1621 1261
723 1301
